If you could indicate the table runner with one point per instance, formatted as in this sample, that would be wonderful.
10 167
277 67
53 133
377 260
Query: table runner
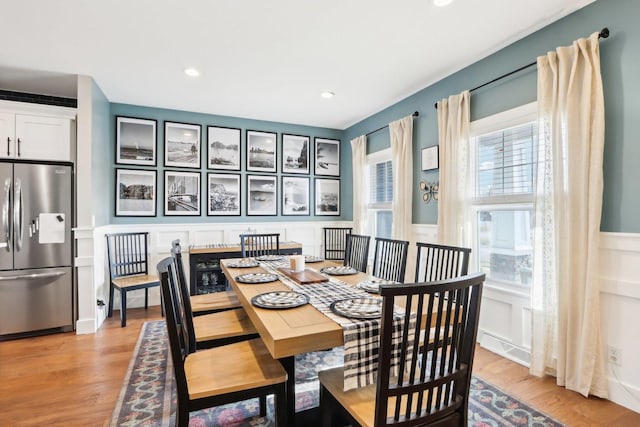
361 337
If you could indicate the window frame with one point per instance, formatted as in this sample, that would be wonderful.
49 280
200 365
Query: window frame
381 156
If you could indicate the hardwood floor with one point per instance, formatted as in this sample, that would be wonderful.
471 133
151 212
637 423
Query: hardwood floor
74 380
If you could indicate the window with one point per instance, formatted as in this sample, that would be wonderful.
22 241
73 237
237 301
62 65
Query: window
380 171
503 150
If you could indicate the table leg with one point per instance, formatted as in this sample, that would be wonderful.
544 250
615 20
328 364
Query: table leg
289 365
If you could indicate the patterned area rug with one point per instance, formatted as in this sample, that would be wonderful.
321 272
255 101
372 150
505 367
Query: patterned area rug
147 396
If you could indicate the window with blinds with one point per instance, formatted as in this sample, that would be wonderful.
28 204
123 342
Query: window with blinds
380 216
381 182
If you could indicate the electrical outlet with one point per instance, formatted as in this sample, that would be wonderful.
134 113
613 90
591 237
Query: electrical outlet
615 355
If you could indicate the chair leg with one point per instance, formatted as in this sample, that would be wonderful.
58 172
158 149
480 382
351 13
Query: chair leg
263 406
281 405
110 310
182 416
146 298
123 308
161 303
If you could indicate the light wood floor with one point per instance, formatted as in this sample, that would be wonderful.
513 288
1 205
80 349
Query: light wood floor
74 380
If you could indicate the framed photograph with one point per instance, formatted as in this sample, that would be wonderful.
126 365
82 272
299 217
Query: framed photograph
295 195
136 192
223 194
430 158
295 154
223 148
181 193
327 196
327 157
261 151
136 141
261 195
181 145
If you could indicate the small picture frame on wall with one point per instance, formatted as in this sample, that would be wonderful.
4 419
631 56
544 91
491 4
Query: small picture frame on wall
181 145
136 141
295 154
262 193
223 194
430 158
261 151
295 195
327 157
136 192
223 148
327 196
181 193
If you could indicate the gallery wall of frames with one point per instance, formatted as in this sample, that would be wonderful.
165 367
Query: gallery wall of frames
282 174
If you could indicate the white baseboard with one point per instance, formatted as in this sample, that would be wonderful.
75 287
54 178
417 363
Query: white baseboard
85 326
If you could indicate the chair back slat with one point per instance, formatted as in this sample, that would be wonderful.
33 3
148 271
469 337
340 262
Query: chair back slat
253 245
335 242
433 373
127 254
440 262
357 251
390 259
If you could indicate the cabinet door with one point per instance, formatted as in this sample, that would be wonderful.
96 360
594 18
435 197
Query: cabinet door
45 138
7 135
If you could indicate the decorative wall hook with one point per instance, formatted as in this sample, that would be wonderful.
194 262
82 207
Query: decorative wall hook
430 190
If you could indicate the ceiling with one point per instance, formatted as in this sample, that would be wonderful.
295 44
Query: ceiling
258 59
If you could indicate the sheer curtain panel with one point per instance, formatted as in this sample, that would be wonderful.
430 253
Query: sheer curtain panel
359 154
401 132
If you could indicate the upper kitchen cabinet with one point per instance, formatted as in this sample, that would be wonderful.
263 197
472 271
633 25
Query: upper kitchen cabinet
36 132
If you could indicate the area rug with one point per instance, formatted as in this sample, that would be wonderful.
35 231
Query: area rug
147 397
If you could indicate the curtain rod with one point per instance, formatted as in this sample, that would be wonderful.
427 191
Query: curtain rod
415 114
604 33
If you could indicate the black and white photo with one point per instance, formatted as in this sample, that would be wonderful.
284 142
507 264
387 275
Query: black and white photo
181 193
261 195
261 151
181 145
327 157
295 195
223 148
135 192
223 196
295 154
327 196
136 141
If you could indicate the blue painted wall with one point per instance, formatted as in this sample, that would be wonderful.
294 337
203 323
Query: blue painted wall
620 64
210 120
100 169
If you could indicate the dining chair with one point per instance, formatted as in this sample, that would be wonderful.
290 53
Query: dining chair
390 259
128 269
253 245
433 388
335 240
357 251
220 375
205 303
213 329
439 262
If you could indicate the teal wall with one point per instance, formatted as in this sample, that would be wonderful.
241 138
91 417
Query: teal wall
100 169
211 120
620 64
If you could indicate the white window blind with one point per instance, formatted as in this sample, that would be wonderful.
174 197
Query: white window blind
381 182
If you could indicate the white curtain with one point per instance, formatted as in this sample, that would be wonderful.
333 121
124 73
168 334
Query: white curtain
359 163
567 338
454 227
402 160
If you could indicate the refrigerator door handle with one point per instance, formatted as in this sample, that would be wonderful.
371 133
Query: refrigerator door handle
6 209
32 276
18 215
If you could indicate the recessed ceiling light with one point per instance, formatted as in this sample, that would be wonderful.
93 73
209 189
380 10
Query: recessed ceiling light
191 72
327 94
442 3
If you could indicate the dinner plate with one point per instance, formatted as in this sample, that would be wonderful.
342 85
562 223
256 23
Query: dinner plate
372 285
358 308
279 300
243 263
257 278
339 270
312 258
269 257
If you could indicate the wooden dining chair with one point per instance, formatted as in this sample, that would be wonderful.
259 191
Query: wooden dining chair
433 389
357 251
439 262
205 303
254 245
128 269
335 242
220 375
390 259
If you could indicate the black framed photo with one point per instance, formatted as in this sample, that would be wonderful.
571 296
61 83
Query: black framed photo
327 157
136 141
181 145
261 151
430 158
295 154
262 191
181 193
327 196
136 192
295 195
223 148
223 194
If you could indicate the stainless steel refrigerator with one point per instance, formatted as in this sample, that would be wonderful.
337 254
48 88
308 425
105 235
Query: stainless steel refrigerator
36 248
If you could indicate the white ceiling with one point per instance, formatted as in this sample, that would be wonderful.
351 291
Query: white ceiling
258 59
